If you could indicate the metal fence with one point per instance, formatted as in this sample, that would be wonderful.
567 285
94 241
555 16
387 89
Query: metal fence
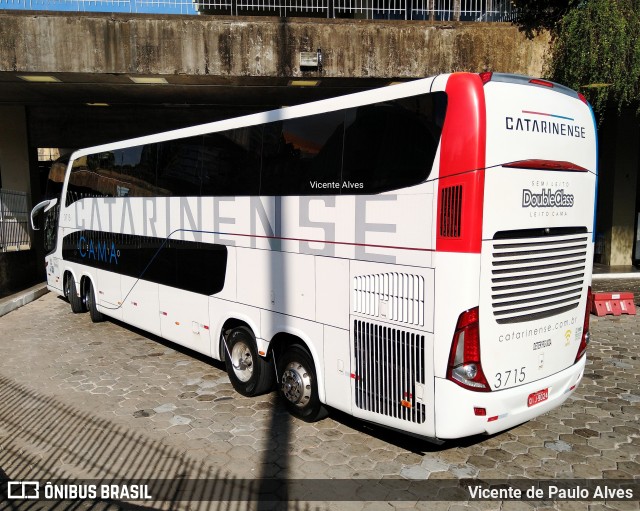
14 217
436 10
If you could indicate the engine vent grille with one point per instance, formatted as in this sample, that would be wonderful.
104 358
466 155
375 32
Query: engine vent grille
450 211
389 364
534 278
395 296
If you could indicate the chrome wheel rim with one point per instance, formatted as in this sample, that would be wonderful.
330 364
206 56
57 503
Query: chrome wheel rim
296 384
242 361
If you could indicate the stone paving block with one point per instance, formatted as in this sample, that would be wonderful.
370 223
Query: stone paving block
179 414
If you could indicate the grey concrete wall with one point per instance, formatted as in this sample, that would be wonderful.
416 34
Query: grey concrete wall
259 47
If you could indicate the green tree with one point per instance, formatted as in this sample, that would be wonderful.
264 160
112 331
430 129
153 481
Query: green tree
597 51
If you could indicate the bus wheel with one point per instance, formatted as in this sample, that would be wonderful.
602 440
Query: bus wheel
299 385
90 302
71 295
250 374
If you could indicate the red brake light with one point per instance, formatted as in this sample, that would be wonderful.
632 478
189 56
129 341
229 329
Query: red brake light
485 77
465 368
545 165
585 327
544 83
582 98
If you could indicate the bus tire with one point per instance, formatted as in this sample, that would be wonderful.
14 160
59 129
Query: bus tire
70 293
250 374
299 384
90 302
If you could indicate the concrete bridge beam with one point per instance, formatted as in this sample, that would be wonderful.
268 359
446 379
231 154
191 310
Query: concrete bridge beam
239 48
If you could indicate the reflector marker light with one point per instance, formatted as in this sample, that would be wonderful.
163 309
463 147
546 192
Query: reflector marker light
355 377
492 419
163 313
405 403
480 412
570 389
178 323
261 353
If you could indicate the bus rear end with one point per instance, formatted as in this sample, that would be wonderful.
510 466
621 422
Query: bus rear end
521 350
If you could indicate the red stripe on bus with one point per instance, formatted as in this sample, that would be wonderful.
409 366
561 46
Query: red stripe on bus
324 241
462 160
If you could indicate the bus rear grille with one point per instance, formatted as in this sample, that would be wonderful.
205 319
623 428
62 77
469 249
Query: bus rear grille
534 278
389 363
395 296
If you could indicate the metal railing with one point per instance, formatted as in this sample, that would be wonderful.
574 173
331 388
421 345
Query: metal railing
436 10
14 217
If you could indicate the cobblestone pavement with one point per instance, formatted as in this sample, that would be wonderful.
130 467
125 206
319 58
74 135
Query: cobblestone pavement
96 401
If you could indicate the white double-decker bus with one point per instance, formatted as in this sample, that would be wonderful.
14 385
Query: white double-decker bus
418 256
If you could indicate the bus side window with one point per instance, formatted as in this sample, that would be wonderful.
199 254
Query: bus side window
128 172
391 145
180 166
231 162
302 155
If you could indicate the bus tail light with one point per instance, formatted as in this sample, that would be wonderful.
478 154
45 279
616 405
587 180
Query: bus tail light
465 368
545 165
543 83
586 335
486 77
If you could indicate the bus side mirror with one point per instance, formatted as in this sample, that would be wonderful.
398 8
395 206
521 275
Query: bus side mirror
45 205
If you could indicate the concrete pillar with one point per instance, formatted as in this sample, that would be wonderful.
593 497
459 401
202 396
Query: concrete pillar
619 165
14 149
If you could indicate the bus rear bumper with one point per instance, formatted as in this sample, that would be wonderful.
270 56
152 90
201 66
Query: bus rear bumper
456 418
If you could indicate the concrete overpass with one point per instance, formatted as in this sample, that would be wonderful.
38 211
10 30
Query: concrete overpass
76 79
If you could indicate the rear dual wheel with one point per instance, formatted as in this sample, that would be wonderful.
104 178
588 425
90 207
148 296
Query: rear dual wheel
70 293
250 374
89 299
299 384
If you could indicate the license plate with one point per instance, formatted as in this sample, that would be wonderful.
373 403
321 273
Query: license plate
538 397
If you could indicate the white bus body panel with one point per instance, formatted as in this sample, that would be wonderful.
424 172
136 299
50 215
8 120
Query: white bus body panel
526 277
141 306
109 293
504 409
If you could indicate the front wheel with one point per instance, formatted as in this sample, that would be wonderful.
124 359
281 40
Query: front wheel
299 385
250 374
